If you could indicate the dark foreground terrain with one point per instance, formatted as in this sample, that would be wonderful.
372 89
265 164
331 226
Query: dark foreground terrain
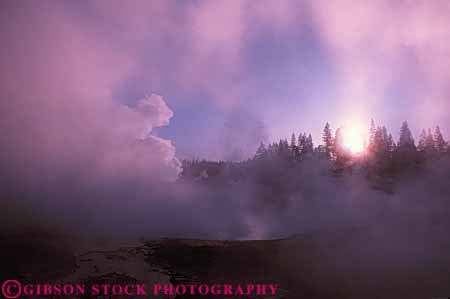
391 262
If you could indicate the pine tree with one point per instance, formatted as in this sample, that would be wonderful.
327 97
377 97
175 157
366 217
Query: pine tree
405 155
430 145
341 154
283 149
422 141
390 143
327 141
294 147
301 143
385 135
379 149
270 149
406 140
379 144
293 142
441 144
261 152
309 145
281 146
275 149
372 132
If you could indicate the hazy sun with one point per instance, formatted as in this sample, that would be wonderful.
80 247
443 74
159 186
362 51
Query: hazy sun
353 139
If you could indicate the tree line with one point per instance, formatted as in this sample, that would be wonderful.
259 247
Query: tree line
383 159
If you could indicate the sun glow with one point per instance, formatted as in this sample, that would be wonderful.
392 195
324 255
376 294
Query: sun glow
354 139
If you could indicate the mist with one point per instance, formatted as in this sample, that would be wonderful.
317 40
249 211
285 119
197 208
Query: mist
79 152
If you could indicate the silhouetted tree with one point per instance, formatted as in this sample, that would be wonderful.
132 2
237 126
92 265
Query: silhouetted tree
406 156
341 155
276 165
309 145
327 139
261 152
406 141
441 144
430 145
293 141
305 144
372 132
301 141
294 147
422 141
390 143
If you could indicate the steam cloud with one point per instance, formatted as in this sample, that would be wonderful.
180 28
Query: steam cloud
73 150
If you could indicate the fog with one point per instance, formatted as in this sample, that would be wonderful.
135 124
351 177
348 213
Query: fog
78 156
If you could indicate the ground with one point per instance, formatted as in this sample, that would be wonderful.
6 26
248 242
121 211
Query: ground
351 263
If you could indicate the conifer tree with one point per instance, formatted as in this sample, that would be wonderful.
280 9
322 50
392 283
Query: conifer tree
293 142
327 141
270 149
441 144
340 153
300 139
422 141
379 145
261 151
390 143
406 140
309 145
405 157
372 132
301 143
385 135
294 147
430 145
